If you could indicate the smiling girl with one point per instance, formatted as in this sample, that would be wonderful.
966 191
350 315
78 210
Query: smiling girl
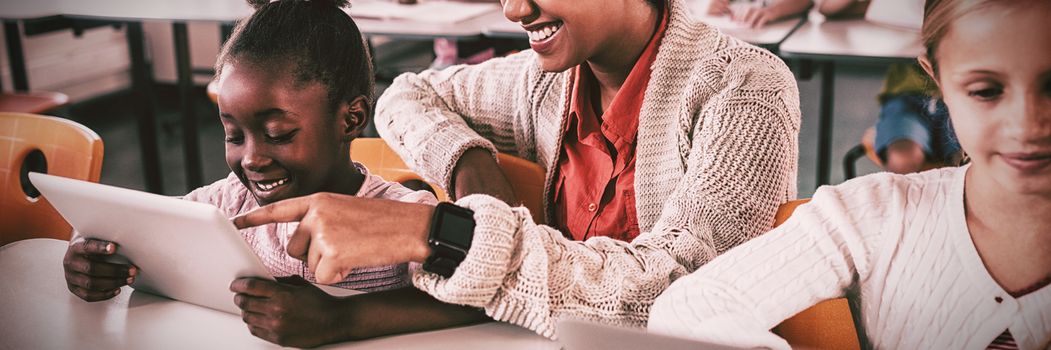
956 258
296 86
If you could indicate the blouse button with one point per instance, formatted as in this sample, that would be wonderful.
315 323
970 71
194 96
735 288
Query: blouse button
999 299
592 207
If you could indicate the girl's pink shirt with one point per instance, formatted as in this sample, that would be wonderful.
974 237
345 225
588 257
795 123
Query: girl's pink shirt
269 241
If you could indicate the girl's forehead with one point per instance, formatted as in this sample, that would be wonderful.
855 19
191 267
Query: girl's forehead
998 36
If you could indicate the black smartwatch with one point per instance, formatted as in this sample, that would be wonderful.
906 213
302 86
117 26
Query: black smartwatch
452 229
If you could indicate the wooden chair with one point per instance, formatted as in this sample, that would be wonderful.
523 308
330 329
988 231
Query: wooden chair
32 102
827 325
527 178
44 144
213 90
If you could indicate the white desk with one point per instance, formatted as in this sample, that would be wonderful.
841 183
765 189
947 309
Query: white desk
853 40
846 41
38 312
769 36
229 11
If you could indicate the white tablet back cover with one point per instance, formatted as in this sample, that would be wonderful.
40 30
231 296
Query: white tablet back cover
185 250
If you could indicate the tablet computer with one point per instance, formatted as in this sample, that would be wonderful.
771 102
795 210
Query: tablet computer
185 250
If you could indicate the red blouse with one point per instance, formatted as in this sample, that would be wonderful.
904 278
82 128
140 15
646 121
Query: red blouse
595 187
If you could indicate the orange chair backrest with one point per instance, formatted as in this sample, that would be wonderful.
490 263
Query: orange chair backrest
527 178
69 150
827 325
213 90
32 102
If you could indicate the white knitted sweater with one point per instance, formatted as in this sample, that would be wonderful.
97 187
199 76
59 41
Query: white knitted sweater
898 246
716 154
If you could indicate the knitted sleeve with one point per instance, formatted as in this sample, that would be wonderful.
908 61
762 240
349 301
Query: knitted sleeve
817 254
741 166
430 119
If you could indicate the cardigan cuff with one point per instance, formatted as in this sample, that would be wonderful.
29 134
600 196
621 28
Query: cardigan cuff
482 273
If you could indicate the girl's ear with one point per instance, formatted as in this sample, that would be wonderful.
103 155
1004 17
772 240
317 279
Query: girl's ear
928 67
353 117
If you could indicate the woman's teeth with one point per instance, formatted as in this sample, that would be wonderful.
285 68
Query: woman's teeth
545 32
267 186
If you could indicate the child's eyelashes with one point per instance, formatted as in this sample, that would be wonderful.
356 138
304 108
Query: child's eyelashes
237 140
282 138
985 92
272 138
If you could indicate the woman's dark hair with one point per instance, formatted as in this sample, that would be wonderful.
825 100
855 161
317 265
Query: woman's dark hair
314 38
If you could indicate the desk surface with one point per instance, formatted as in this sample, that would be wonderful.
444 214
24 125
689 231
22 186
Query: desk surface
38 312
771 34
225 11
856 39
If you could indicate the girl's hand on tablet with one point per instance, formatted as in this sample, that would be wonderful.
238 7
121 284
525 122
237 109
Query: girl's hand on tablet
89 274
338 233
291 312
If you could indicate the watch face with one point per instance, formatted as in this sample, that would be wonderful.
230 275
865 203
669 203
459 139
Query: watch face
457 230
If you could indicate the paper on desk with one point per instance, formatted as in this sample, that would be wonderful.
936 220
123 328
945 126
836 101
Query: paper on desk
440 12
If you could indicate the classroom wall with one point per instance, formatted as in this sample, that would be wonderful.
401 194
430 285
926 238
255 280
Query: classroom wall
97 62
93 63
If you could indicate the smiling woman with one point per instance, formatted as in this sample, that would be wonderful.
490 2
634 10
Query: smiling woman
665 143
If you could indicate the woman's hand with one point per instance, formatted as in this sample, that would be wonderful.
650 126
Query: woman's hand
477 173
292 312
89 276
338 233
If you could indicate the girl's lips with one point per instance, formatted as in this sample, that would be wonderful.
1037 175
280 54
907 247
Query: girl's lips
1027 162
269 189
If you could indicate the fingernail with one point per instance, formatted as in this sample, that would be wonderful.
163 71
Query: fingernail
132 271
131 280
109 247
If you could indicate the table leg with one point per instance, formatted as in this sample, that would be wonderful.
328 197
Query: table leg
142 90
191 146
824 143
16 56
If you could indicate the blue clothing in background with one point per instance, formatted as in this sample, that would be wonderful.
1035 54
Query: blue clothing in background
920 118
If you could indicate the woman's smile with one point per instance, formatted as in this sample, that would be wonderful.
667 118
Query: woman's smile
542 36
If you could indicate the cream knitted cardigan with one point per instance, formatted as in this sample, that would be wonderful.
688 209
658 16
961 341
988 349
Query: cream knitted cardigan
716 154
897 245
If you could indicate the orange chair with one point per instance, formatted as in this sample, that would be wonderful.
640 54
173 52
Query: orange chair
213 90
45 144
527 178
32 102
827 325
